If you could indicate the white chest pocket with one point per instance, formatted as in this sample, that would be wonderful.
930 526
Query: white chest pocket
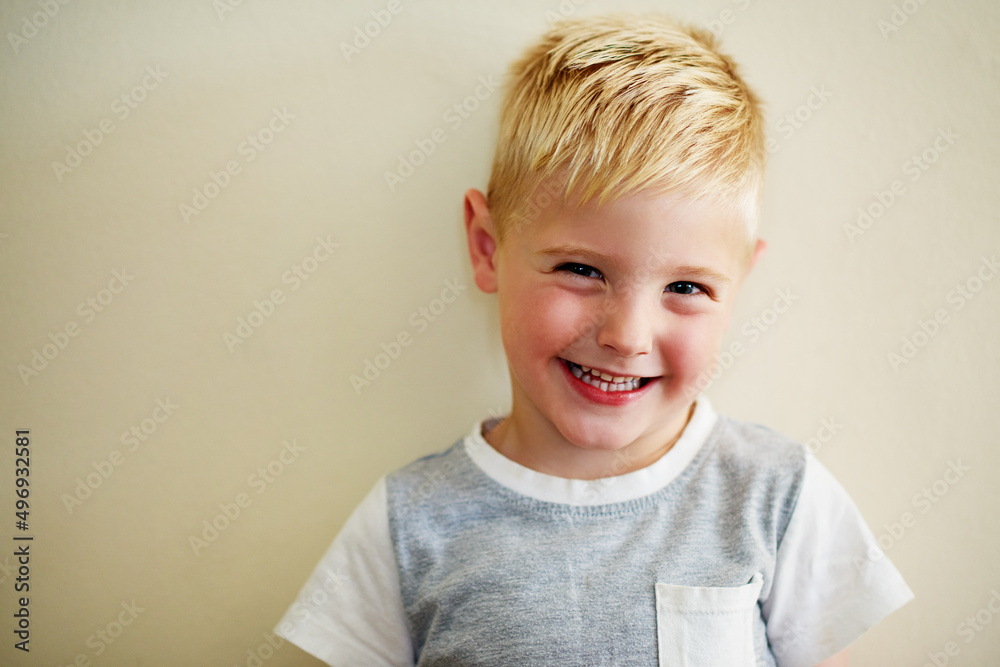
707 626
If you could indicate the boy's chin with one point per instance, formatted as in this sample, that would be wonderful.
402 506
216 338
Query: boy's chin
597 438
599 433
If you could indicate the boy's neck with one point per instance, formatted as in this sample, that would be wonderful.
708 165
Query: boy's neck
538 445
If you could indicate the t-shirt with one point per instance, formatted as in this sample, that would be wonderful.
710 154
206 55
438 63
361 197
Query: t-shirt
737 547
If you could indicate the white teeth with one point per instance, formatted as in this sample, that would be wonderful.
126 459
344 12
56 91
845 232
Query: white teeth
609 378
604 381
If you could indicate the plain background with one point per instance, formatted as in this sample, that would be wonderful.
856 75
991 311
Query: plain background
854 92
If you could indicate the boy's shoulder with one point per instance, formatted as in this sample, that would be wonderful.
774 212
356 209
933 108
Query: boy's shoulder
757 466
420 479
745 444
443 460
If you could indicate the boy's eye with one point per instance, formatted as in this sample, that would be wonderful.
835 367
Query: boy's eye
685 288
580 270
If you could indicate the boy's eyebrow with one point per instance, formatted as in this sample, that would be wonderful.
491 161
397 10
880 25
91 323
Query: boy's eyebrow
699 272
703 273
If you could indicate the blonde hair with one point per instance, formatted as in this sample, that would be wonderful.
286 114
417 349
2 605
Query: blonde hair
605 107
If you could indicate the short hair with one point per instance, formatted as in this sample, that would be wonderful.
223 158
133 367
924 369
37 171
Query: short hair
609 106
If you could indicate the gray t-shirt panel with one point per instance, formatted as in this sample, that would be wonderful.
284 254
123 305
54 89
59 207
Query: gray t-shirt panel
489 576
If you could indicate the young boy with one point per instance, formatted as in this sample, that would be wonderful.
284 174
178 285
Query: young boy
612 518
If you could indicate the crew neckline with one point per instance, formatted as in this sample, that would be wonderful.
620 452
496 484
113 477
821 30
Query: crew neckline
605 490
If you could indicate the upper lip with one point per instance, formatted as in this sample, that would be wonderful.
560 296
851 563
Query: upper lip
611 373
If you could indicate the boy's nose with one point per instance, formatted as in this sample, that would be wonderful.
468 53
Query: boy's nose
627 328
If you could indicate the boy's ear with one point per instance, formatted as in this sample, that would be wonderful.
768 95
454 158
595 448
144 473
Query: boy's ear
758 251
759 247
482 240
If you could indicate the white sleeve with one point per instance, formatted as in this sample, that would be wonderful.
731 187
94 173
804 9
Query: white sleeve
832 582
350 611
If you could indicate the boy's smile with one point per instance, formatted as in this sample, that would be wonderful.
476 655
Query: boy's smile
609 314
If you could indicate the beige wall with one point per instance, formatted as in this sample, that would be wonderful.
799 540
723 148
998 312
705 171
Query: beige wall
276 71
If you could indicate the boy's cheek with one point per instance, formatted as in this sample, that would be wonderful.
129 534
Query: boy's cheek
692 353
549 313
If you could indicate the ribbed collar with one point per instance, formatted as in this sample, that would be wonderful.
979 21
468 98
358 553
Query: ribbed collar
619 488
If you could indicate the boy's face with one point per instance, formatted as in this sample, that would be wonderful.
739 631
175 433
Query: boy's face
641 288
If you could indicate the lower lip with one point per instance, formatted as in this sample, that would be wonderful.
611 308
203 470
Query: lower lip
595 395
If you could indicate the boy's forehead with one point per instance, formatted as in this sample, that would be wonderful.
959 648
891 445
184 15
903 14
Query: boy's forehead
553 198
